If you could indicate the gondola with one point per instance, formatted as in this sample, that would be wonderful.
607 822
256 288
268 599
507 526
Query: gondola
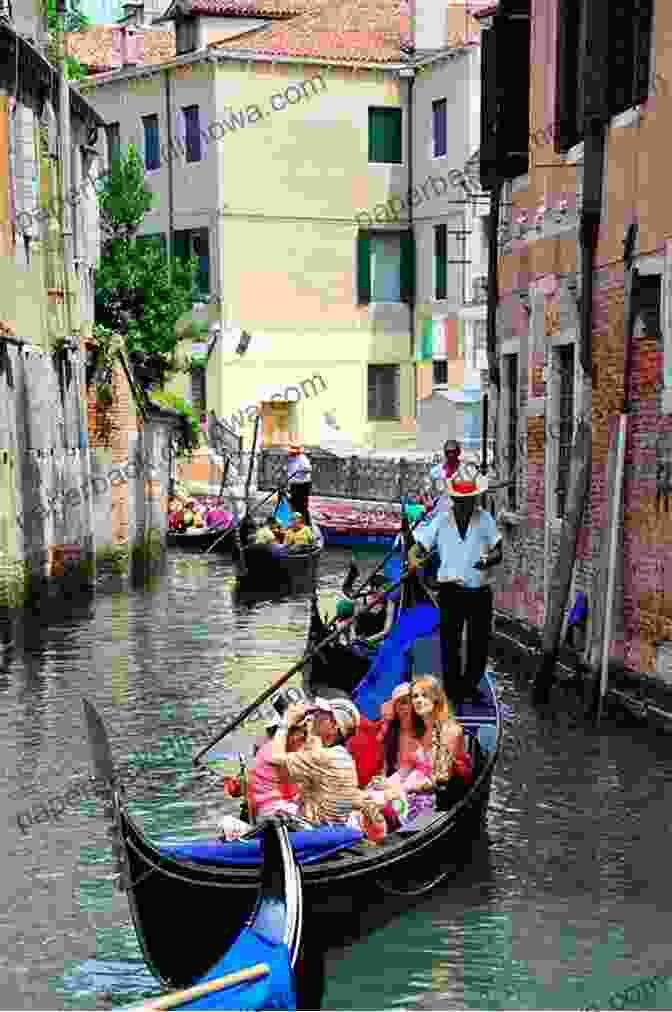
200 538
263 569
258 970
267 932
342 873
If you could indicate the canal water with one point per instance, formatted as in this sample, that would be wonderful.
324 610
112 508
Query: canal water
567 899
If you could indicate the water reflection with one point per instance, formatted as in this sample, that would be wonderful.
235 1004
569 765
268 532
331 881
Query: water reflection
566 900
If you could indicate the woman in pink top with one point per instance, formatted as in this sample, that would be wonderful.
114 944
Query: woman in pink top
269 790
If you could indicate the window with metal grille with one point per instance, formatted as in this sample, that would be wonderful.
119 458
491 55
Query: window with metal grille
479 344
198 389
186 35
113 143
440 127
152 154
565 426
440 369
385 136
440 261
383 381
192 133
511 450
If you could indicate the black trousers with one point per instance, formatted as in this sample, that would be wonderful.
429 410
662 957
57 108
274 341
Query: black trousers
298 499
459 605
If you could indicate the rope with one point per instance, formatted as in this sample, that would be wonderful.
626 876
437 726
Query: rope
390 891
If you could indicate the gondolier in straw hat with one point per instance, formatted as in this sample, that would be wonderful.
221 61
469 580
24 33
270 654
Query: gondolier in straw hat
469 545
299 480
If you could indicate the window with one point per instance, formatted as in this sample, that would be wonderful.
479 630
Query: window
383 393
505 94
385 136
565 365
440 261
186 35
385 270
198 389
511 433
479 345
192 133
195 242
113 143
625 61
152 156
440 369
155 239
440 127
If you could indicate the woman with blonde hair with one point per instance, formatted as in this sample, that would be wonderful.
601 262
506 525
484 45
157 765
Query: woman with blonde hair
423 777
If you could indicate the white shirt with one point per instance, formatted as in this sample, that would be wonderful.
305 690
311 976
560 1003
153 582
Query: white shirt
298 469
458 557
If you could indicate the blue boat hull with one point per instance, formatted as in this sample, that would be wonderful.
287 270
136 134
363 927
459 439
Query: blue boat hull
343 539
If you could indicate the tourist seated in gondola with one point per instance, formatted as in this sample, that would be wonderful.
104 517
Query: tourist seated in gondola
269 791
374 613
345 610
299 534
266 534
176 515
323 769
435 773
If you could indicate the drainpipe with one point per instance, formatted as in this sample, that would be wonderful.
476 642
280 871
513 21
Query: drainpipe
409 75
493 300
169 159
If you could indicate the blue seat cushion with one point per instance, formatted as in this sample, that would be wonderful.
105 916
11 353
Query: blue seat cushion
309 845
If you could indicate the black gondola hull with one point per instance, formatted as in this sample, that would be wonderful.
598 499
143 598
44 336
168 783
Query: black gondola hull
333 890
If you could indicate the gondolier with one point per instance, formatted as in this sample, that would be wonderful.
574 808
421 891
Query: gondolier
299 480
468 544
441 473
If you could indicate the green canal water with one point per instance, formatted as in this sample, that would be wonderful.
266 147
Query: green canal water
566 902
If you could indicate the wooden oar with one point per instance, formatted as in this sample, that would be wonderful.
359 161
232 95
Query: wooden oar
360 591
178 998
276 685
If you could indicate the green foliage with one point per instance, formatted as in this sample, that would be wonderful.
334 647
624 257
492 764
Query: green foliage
73 21
137 294
125 198
184 408
198 362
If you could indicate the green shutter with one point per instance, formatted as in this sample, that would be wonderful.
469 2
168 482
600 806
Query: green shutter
407 266
385 144
363 268
440 261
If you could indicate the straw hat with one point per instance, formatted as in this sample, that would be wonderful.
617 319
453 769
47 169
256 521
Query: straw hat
463 488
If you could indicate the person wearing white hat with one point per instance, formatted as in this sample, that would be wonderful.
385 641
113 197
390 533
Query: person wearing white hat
468 543
324 770
299 480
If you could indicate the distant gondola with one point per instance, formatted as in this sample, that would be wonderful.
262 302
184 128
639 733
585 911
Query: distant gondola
201 538
263 569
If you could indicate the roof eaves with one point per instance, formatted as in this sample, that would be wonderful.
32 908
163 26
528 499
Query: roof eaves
250 56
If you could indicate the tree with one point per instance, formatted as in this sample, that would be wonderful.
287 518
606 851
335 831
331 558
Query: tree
139 295
72 21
